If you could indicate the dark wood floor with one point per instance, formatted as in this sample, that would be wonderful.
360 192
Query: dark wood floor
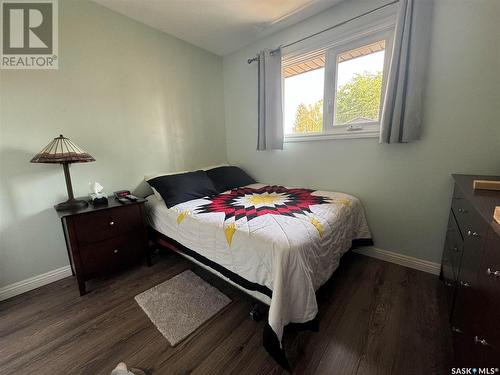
375 318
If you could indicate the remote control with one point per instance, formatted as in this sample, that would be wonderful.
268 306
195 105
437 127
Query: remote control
131 197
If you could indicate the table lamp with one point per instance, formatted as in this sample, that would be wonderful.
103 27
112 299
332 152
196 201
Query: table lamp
62 151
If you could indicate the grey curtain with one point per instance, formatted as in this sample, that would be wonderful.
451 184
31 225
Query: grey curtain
401 119
270 127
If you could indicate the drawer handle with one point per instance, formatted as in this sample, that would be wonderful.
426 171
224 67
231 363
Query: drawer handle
465 283
489 272
455 329
455 249
462 210
111 223
115 251
447 283
477 340
473 234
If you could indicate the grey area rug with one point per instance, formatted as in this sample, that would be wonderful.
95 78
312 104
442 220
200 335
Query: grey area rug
178 306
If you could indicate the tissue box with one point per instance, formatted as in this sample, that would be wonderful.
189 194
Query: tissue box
496 214
98 198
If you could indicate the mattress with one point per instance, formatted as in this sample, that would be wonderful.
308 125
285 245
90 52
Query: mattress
289 240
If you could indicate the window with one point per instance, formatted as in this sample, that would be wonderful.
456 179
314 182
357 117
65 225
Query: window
358 87
303 94
337 91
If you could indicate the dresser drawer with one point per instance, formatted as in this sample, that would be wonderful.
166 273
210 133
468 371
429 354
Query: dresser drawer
107 256
468 219
473 350
490 263
468 293
105 224
473 229
489 353
452 252
489 282
465 309
465 351
477 301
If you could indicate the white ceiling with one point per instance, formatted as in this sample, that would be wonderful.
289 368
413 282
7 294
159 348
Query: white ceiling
220 26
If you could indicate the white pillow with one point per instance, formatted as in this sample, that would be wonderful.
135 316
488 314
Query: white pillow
150 177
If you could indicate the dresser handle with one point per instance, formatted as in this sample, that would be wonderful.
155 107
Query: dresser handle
462 210
473 234
455 329
465 283
115 251
477 340
111 223
455 249
447 283
489 272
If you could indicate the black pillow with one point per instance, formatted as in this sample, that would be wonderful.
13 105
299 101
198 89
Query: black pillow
183 187
227 178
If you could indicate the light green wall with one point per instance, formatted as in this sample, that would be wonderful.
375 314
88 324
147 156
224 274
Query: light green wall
126 92
138 100
406 188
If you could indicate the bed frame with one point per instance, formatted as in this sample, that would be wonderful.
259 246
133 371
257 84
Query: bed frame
260 309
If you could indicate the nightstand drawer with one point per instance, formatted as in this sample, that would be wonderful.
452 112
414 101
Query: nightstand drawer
110 255
101 225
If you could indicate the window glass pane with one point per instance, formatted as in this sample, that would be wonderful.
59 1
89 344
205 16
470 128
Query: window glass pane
303 95
359 84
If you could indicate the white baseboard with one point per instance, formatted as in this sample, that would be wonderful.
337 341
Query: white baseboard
34 282
402 260
60 273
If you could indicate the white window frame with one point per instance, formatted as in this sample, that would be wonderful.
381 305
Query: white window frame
339 41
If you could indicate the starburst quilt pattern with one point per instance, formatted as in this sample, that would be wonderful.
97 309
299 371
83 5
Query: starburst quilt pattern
246 203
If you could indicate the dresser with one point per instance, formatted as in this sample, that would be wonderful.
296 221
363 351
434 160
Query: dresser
103 239
471 273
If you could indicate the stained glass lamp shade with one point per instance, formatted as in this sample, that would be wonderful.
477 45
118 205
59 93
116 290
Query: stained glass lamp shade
62 151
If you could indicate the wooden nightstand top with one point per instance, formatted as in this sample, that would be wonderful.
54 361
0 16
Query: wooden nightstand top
112 203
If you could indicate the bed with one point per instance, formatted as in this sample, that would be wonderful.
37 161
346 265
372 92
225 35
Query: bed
276 243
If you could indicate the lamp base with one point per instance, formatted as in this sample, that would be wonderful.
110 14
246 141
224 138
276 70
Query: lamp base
71 204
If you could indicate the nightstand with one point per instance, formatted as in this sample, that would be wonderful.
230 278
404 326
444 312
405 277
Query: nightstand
103 239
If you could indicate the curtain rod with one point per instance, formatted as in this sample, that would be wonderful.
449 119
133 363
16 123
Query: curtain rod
256 58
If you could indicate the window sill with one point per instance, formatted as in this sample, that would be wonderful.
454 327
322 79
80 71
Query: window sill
291 138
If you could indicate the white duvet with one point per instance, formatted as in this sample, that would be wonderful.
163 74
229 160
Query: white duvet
289 240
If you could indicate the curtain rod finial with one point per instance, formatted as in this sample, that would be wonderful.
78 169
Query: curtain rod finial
251 60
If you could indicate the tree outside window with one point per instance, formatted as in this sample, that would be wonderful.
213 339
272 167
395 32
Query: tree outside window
356 100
